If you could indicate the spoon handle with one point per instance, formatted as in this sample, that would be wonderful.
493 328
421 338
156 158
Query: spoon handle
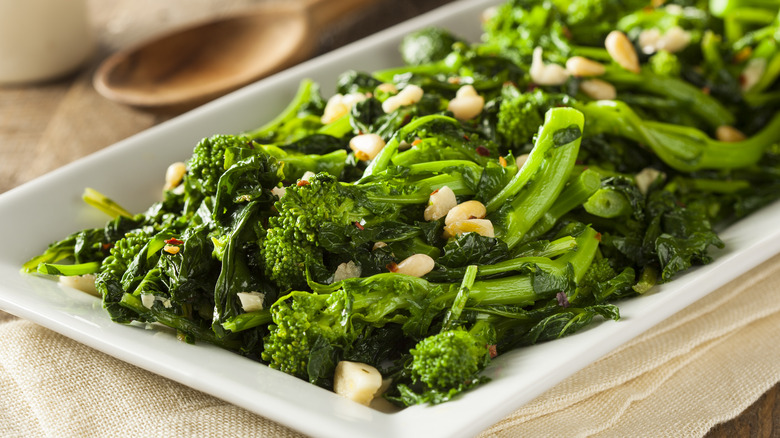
324 12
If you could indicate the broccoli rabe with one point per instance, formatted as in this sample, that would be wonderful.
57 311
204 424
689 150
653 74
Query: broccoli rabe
207 163
458 238
312 210
427 45
521 114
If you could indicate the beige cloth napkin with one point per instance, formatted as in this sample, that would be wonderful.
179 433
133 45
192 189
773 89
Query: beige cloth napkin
700 367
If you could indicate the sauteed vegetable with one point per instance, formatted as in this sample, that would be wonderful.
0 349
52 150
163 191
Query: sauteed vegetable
394 238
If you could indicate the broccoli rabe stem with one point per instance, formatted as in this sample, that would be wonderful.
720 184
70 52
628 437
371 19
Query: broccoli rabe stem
549 249
556 120
721 8
68 270
573 196
383 159
103 203
559 142
338 128
177 322
304 94
453 315
608 204
296 165
709 109
54 253
248 320
682 148
451 173
518 290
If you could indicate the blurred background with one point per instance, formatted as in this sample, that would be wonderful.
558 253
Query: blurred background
46 124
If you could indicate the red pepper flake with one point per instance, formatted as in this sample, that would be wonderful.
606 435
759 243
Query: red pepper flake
742 80
416 142
465 137
502 161
483 151
359 227
406 120
705 90
598 237
434 192
742 55
302 183
531 87
174 241
107 246
567 33
492 350
392 267
509 84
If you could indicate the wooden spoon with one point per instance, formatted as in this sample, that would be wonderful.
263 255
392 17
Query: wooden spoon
197 63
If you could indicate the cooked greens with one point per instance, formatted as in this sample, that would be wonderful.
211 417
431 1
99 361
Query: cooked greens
481 198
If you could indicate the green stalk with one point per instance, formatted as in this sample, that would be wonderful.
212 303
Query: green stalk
103 203
549 249
554 168
303 94
248 320
177 322
608 203
339 128
383 158
518 290
68 270
54 253
451 318
683 148
573 196
709 109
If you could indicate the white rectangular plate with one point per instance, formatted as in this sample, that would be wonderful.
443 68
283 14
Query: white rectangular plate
131 172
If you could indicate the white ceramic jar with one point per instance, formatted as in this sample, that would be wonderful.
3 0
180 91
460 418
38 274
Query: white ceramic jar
43 39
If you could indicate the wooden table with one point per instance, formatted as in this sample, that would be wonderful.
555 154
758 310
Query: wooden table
45 126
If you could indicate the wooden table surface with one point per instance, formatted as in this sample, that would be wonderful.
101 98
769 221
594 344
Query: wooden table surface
45 126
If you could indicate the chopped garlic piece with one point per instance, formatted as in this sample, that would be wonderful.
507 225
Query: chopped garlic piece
346 270
357 381
147 300
84 283
251 301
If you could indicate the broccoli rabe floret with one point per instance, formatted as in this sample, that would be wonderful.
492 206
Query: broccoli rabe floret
292 242
427 45
324 210
590 20
207 163
109 280
664 63
450 359
302 322
521 114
